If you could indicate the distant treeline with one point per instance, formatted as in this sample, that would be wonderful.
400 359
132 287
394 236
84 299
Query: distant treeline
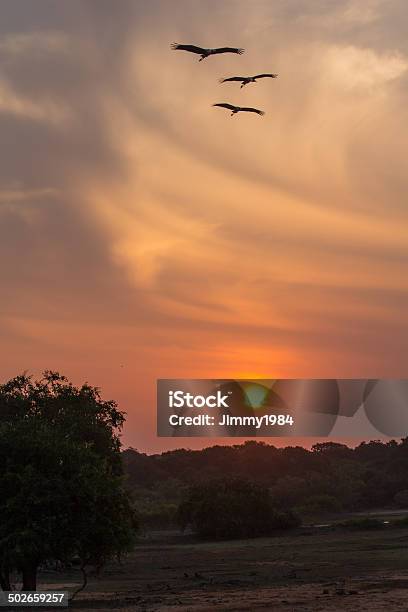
330 477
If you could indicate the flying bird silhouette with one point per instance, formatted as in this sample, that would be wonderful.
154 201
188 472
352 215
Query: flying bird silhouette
238 109
205 52
248 79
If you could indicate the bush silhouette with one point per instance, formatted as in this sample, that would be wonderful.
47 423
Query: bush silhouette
232 508
401 498
363 523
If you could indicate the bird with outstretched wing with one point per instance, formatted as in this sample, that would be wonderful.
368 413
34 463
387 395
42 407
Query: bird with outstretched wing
244 80
203 52
238 79
238 109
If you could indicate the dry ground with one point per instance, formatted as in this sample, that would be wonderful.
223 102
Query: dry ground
313 570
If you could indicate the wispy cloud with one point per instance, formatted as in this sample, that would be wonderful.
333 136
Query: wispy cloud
139 225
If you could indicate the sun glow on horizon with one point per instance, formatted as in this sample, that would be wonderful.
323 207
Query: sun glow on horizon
156 237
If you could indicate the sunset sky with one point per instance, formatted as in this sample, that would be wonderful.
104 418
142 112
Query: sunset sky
145 234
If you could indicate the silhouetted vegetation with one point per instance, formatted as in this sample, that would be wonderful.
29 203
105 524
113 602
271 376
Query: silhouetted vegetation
400 523
232 508
329 478
62 494
363 523
401 498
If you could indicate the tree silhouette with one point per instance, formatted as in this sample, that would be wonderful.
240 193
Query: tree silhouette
61 478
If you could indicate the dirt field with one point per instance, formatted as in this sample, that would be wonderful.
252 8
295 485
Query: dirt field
312 570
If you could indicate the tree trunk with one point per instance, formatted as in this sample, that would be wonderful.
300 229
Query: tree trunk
30 578
5 580
83 585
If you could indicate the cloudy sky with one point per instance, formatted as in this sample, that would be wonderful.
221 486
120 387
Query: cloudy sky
145 234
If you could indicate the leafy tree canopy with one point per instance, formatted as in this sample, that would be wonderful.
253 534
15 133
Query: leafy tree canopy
61 478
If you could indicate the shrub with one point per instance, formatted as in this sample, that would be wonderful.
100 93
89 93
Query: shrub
402 522
285 519
321 503
232 508
161 516
363 523
401 498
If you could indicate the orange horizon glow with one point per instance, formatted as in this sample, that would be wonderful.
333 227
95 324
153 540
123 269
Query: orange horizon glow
146 235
